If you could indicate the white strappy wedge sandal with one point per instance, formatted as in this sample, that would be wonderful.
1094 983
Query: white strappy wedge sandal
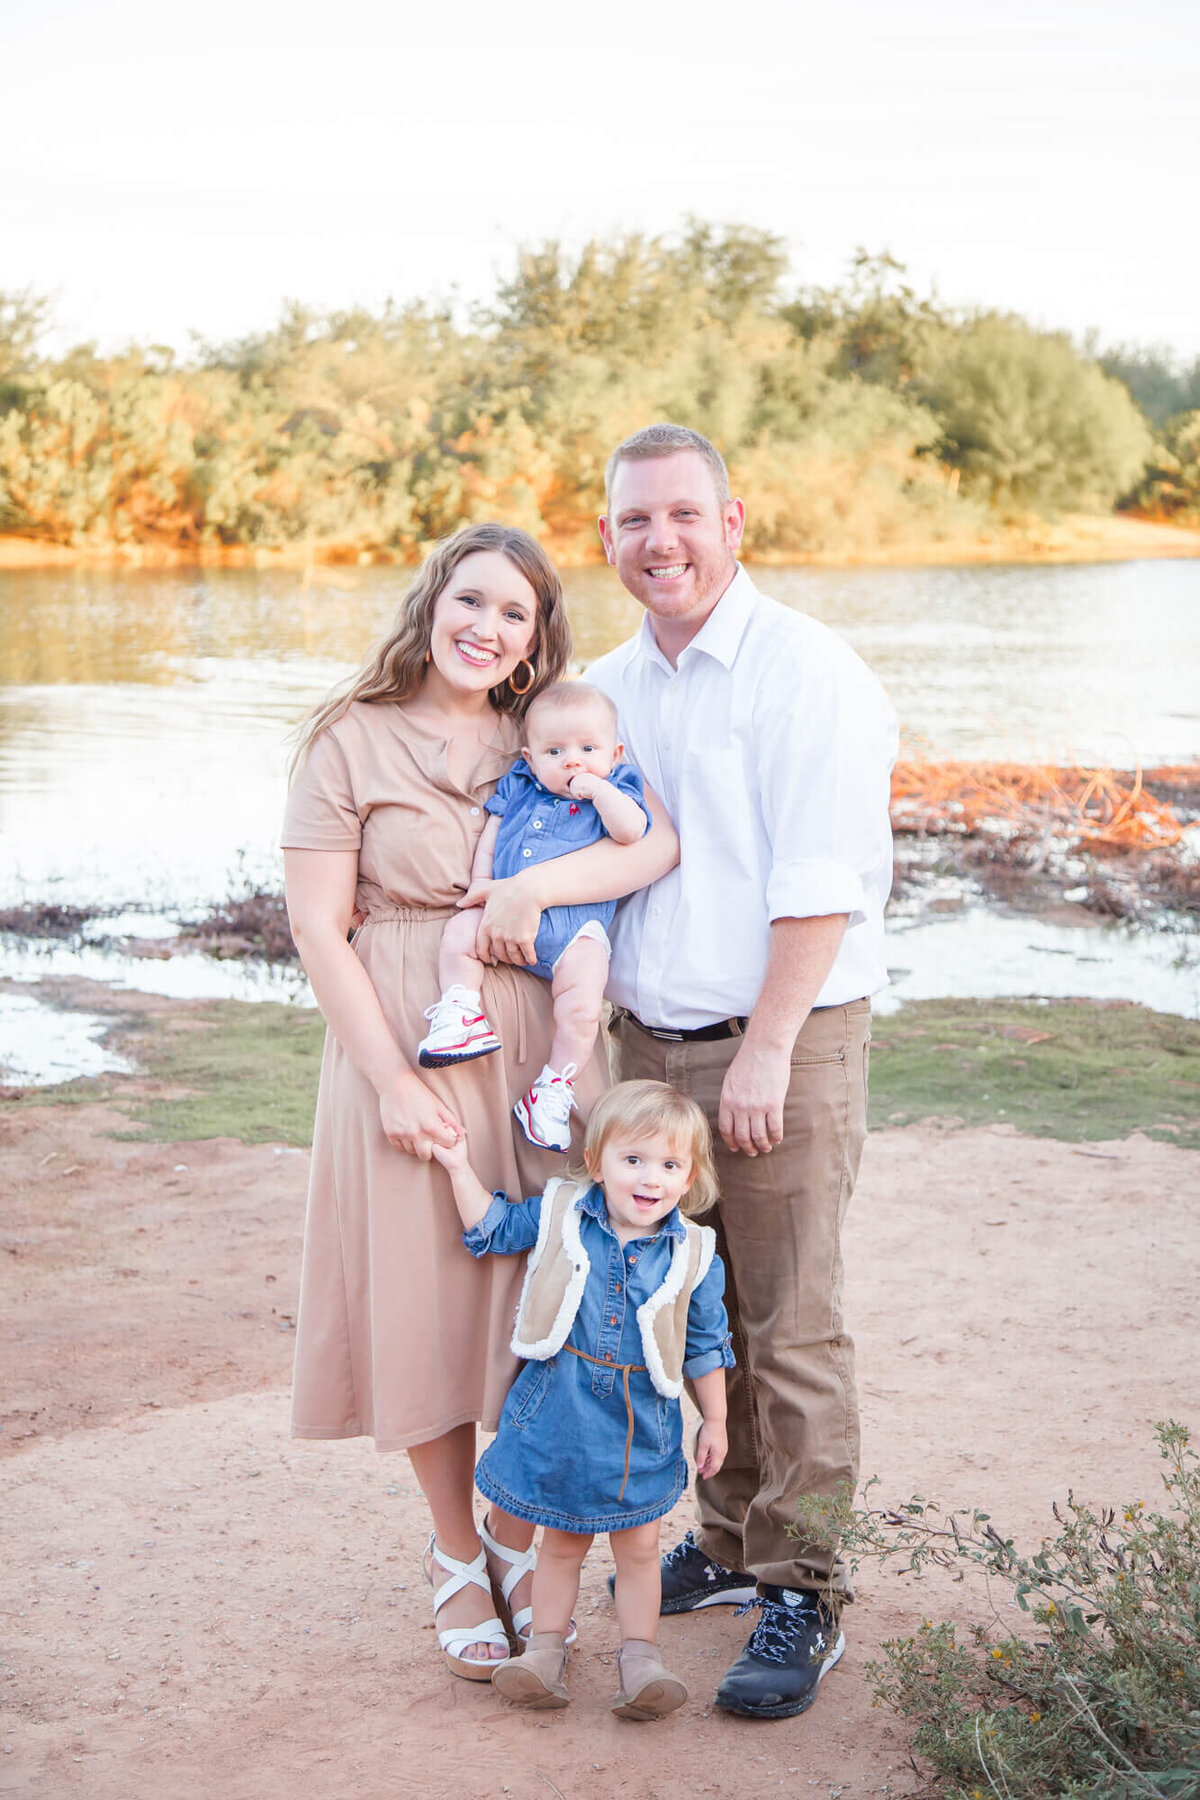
457 1637
520 1563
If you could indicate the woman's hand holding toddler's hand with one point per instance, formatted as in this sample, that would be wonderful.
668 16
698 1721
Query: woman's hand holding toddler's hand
453 1157
414 1119
712 1446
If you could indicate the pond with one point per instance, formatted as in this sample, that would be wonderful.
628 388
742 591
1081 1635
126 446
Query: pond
145 719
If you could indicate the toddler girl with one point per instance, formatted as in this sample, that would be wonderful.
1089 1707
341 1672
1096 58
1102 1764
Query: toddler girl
622 1300
568 789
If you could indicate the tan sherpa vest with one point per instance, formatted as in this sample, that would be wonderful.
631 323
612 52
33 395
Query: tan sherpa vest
557 1275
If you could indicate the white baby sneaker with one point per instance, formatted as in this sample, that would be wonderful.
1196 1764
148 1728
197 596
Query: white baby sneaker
458 1030
544 1113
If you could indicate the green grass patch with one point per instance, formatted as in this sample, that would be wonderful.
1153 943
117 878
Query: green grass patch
231 1069
1055 1069
1075 1071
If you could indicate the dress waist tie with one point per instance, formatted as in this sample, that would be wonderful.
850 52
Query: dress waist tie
627 1369
406 915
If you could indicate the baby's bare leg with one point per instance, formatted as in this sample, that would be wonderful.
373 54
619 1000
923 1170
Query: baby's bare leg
639 1581
580 977
458 964
556 1578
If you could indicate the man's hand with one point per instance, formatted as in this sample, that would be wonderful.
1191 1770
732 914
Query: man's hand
752 1096
511 916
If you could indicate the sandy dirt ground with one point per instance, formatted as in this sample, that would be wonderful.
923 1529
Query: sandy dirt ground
195 1606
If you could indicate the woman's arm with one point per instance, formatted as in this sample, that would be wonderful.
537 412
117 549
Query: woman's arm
606 870
320 897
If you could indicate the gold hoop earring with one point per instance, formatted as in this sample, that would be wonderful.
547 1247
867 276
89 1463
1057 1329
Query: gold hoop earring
532 677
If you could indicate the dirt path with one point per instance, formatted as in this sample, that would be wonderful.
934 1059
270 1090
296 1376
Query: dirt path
196 1606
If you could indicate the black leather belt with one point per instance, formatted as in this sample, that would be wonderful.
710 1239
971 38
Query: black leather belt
702 1034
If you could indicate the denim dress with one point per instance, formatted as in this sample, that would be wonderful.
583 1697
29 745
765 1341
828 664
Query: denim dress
536 826
559 1455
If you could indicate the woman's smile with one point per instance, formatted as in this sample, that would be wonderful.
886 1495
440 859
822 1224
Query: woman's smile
475 654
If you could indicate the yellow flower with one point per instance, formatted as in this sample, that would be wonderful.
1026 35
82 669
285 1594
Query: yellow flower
997 1653
1035 1717
1052 1608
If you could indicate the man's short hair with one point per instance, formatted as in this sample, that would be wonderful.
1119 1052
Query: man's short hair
668 440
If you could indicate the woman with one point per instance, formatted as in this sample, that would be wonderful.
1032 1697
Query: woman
400 1332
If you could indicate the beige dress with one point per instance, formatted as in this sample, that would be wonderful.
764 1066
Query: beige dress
401 1333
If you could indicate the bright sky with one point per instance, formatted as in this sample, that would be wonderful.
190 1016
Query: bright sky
166 168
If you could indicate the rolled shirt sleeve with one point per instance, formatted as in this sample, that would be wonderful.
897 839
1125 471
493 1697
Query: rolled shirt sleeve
507 789
824 772
708 1345
506 1229
322 812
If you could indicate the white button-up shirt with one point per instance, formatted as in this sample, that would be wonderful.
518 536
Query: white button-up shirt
771 744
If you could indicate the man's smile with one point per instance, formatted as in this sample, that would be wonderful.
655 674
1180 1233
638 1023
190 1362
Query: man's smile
669 571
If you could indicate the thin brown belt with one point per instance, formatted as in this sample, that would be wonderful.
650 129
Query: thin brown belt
627 1369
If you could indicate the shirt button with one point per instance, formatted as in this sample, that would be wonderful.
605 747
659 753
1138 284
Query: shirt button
608 1356
613 1319
474 812
527 853
618 1287
537 824
632 1258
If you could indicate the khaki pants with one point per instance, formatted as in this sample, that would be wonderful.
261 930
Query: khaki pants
793 1412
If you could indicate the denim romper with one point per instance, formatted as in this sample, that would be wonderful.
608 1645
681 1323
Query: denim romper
536 826
558 1457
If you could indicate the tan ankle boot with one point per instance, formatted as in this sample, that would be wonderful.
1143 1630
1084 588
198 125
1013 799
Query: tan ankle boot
536 1678
648 1691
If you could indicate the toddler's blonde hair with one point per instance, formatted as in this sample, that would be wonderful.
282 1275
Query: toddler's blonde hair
640 1109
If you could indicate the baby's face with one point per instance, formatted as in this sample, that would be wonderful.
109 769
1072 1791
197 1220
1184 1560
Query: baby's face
566 741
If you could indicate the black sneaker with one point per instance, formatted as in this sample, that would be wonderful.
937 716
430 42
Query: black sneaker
690 1580
794 1643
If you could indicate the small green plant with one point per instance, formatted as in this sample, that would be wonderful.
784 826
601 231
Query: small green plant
1102 1697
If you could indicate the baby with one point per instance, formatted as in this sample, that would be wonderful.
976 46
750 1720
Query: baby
568 789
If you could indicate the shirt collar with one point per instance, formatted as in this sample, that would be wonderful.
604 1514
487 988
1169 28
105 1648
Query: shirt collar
721 633
592 1203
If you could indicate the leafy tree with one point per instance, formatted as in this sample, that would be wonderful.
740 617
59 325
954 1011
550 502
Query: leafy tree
1029 422
1170 489
1160 385
847 414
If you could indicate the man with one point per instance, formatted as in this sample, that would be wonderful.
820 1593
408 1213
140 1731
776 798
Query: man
743 978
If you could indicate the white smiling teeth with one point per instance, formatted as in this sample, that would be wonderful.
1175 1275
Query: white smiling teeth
669 574
473 654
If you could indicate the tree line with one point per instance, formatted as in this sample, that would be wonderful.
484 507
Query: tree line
854 418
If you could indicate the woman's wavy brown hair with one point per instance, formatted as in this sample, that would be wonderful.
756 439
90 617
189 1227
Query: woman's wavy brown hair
396 666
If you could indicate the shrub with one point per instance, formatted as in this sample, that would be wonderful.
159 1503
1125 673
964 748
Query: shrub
1102 1698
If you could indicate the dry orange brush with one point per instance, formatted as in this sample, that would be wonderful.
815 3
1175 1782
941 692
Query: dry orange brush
1090 807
